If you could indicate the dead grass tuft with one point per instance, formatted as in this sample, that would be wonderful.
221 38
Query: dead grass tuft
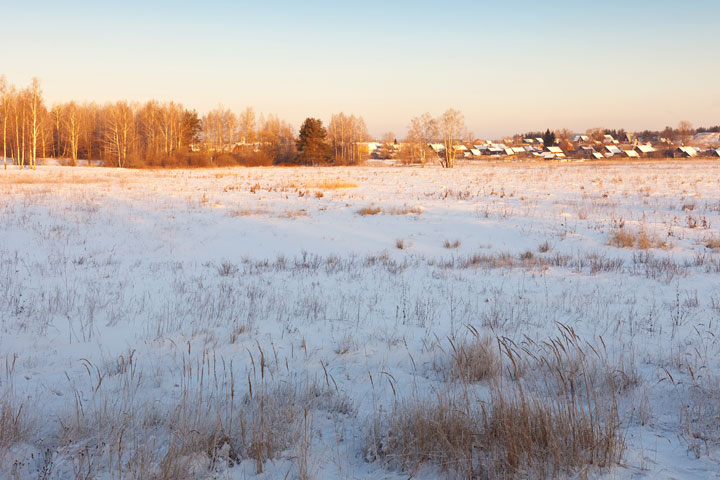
13 425
369 211
713 242
475 360
626 238
451 245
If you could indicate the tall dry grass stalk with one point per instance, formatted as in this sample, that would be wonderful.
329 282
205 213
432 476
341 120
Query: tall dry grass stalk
554 411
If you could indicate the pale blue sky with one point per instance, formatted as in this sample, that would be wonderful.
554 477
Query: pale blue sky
509 66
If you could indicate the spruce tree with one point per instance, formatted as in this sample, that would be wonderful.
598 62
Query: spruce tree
312 143
549 138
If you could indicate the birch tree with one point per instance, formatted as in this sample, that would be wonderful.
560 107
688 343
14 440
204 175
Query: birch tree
119 129
4 109
422 131
35 118
452 130
72 126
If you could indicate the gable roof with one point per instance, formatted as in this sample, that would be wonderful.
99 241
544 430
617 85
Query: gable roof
613 149
645 148
689 151
631 153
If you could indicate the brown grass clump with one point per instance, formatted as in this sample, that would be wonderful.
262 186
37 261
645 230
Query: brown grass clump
713 242
475 360
451 245
626 238
369 211
13 427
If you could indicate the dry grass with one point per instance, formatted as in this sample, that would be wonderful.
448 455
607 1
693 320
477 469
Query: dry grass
475 360
369 211
248 212
559 418
329 184
627 238
13 424
713 242
451 245
405 211
33 178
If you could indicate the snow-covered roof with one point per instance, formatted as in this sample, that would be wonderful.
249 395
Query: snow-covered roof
509 151
707 137
690 151
518 150
438 147
597 155
555 150
613 149
581 138
645 148
631 153
476 152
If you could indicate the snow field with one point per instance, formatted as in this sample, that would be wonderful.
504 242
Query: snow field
361 322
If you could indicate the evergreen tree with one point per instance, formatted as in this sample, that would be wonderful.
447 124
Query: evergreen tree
312 143
549 138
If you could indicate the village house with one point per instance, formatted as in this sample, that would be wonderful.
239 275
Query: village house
612 150
685 152
645 150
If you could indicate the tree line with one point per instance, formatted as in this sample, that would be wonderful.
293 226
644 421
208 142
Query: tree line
160 134
167 134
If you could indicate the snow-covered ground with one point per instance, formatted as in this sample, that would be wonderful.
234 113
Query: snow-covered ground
139 307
